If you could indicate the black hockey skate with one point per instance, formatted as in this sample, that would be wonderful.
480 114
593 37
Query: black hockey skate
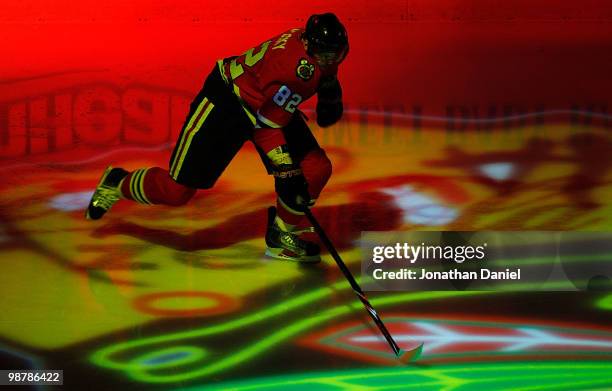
288 245
106 194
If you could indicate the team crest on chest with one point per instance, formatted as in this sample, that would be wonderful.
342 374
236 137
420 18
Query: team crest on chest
305 70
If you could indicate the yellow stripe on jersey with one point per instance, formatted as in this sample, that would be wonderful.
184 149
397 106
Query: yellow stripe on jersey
180 159
267 122
185 136
132 187
196 113
135 187
236 91
222 71
244 106
141 186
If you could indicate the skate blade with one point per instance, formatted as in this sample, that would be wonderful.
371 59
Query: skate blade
278 254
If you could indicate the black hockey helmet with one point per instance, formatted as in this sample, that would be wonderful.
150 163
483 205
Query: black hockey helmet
327 38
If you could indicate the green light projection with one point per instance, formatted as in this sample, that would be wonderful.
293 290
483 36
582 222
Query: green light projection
515 376
91 295
134 368
605 303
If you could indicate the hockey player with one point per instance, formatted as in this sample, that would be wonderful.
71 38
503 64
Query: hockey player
254 96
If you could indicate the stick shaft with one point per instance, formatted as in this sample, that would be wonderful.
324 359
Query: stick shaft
349 276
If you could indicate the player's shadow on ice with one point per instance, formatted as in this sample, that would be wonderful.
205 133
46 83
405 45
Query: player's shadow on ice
342 223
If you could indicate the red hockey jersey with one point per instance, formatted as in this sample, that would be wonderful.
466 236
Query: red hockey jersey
273 78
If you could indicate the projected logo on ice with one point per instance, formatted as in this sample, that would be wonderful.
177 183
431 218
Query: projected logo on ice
464 339
192 282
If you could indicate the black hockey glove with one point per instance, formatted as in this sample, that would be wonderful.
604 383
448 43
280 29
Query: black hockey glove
328 113
291 187
329 102
329 89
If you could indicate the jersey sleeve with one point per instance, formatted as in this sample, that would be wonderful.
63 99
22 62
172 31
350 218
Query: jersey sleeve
273 113
268 139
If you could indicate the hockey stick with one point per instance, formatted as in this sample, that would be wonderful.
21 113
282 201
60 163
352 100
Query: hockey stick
404 356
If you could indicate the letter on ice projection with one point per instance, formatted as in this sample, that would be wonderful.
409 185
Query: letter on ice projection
13 140
147 116
97 115
50 125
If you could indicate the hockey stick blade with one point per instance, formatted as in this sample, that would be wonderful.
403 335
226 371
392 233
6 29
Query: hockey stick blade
407 356
404 356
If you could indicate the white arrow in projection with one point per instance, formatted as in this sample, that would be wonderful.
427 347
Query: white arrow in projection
438 336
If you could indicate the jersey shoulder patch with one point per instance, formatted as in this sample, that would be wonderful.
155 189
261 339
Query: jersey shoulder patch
305 70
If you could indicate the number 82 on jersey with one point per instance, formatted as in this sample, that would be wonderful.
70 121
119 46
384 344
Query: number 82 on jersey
286 99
